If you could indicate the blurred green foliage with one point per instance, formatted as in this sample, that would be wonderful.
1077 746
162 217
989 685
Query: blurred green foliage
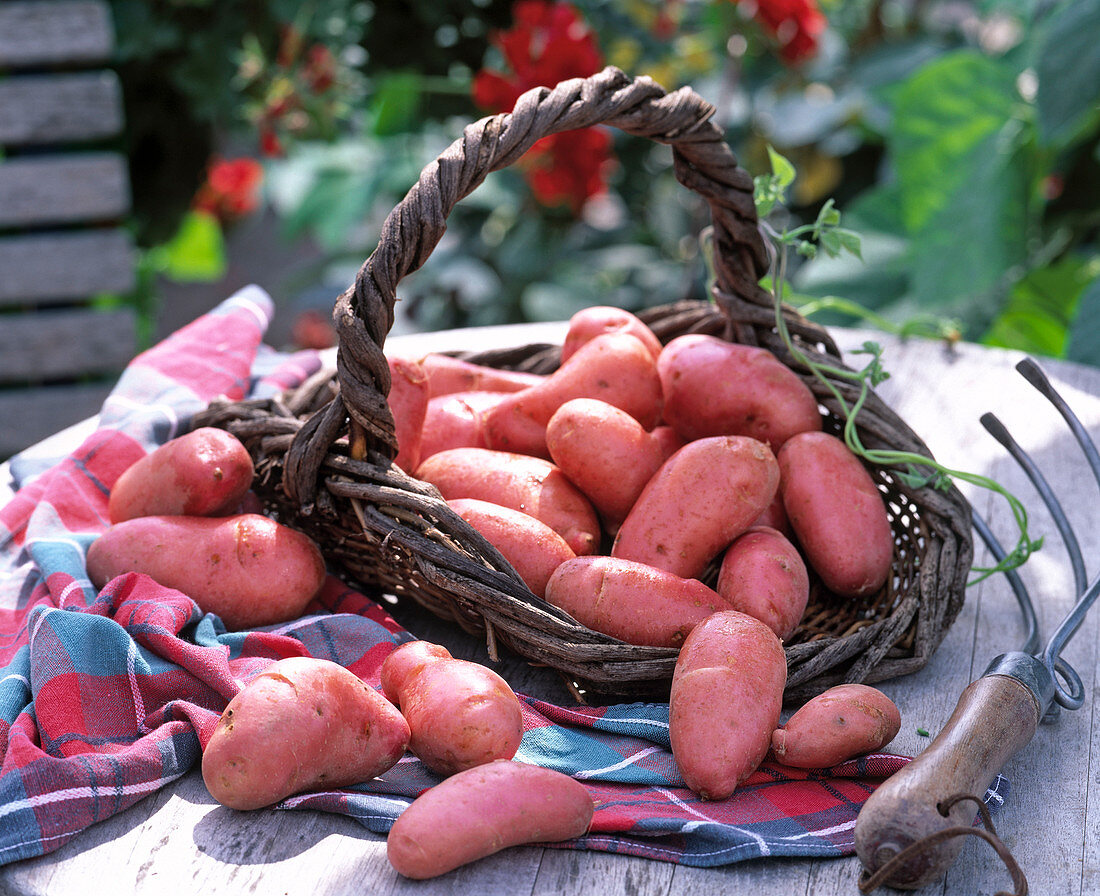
961 140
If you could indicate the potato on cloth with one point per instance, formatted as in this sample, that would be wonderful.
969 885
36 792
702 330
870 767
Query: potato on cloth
117 690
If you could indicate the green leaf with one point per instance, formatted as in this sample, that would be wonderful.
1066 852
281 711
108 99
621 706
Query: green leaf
943 116
395 106
1084 337
781 167
196 254
1041 307
1068 70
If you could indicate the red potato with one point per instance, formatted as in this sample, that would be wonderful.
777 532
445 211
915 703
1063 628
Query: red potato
408 401
843 722
726 699
588 323
631 601
712 387
302 723
205 472
483 810
605 452
837 514
528 484
448 374
615 368
248 569
697 503
454 421
461 714
532 547
763 574
775 517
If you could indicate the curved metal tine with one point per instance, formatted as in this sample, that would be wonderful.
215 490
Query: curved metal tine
1034 374
997 429
1027 608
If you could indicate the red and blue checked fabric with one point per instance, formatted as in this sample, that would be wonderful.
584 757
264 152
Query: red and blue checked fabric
107 697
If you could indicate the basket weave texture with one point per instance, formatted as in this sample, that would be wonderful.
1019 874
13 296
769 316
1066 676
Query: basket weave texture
323 452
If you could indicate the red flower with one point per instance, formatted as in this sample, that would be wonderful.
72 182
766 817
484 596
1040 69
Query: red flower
549 42
231 189
796 24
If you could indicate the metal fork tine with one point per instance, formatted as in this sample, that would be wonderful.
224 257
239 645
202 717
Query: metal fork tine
1002 435
1027 608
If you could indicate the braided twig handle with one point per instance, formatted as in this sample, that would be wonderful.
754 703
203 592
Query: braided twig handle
364 313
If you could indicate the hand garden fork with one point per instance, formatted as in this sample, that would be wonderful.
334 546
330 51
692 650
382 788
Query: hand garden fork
908 832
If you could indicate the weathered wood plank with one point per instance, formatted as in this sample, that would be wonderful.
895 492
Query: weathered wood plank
36 110
51 345
27 416
60 267
45 191
54 32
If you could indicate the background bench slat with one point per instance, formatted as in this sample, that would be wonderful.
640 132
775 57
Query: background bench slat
63 267
41 109
31 415
66 344
44 191
54 32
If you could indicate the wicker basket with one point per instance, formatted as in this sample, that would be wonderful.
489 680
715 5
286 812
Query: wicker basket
391 534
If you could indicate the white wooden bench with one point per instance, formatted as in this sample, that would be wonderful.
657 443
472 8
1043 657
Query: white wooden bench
64 200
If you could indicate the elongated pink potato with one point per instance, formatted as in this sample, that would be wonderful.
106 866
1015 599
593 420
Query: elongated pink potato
529 484
726 698
301 724
248 569
764 575
588 323
631 601
837 725
460 713
837 514
408 401
483 810
455 421
605 452
616 368
712 387
532 547
448 374
697 503
205 472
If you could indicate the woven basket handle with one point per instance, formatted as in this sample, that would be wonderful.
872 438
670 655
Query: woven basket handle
364 313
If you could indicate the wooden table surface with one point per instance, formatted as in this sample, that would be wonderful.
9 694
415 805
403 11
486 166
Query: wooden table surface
179 839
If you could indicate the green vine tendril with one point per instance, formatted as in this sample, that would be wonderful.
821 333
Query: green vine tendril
912 469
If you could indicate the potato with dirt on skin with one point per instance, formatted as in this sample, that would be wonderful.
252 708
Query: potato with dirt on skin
597 320
529 484
606 453
302 723
697 503
764 575
205 472
480 811
247 569
533 549
726 699
460 713
713 387
408 402
631 601
845 721
448 374
837 513
615 367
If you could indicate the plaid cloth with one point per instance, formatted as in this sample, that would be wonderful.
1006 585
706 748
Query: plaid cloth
107 697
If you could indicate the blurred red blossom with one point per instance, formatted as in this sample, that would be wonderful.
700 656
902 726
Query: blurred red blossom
231 189
797 25
547 43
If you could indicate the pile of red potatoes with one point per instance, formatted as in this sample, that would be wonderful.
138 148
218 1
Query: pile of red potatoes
614 486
